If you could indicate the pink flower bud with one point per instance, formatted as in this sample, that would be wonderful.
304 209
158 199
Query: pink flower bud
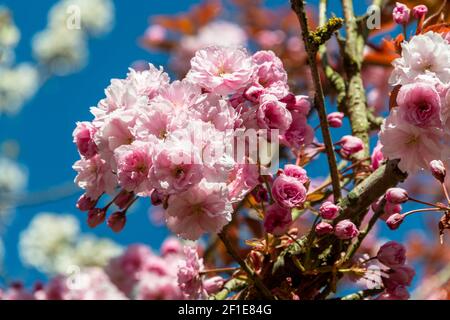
288 191
254 92
156 198
83 137
345 230
420 11
394 221
123 198
377 156
302 105
335 119
329 210
85 203
117 221
323 228
277 219
96 216
350 145
391 208
398 276
213 284
438 170
392 254
400 14
399 293
396 195
297 172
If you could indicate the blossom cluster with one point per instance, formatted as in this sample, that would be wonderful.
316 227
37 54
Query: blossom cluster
138 274
169 140
417 129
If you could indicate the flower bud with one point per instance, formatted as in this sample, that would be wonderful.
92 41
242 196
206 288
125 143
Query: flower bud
438 170
277 219
329 210
391 208
335 119
420 11
123 198
350 145
398 276
346 229
394 221
117 221
401 13
396 195
213 284
156 198
96 216
323 228
392 254
85 203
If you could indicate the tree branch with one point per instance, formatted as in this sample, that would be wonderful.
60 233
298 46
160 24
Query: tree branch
245 267
312 42
356 97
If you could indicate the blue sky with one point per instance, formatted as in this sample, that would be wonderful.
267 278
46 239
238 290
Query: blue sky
44 126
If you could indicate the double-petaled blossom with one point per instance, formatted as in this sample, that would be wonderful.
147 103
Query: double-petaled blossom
277 219
425 54
222 70
289 192
419 104
200 209
413 145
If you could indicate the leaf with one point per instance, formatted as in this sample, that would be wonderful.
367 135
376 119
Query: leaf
294 248
316 196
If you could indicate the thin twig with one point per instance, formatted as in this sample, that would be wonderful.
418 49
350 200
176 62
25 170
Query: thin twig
299 8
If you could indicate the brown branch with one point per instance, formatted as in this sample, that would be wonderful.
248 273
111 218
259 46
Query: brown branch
312 42
245 267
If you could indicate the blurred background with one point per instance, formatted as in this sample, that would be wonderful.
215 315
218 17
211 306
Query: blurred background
51 76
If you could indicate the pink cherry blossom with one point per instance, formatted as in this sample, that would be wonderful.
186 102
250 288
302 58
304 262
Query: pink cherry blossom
292 170
95 176
415 147
277 219
288 191
133 166
176 169
299 134
419 104
200 209
223 70
83 137
273 114
269 68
